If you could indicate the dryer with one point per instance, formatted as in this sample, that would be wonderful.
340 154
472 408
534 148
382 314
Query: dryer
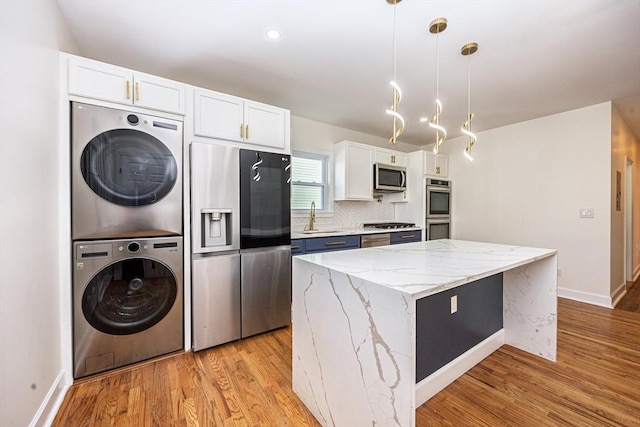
126 174
127 302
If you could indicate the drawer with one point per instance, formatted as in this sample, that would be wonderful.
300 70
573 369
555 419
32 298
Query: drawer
298 246
323 244
406 236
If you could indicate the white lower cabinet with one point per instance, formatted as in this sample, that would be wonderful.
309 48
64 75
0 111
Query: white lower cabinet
106 82
353 171
221 116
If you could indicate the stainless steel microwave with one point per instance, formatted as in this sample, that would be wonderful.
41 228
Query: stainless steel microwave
389 179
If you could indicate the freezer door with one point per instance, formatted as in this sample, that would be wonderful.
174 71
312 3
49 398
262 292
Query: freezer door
266 290
216 300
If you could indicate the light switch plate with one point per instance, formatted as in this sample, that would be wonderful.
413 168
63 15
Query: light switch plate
586 213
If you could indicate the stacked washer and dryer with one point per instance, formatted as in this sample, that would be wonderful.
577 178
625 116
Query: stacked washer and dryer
126 195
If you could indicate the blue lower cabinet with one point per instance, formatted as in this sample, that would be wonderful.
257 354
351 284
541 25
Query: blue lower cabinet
298 247
406 237
337 243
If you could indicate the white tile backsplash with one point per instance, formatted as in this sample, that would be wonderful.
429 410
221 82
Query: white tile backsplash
348 215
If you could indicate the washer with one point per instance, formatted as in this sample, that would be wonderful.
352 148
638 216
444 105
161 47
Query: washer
127 302
126 174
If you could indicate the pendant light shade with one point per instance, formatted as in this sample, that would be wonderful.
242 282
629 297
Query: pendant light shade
398 120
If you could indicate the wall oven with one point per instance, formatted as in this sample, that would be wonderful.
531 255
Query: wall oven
438 199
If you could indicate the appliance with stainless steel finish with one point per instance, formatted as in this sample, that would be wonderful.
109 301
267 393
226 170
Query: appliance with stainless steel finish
389 179
438 209
241 237
371 240
127 302
265 240
126 174
215 238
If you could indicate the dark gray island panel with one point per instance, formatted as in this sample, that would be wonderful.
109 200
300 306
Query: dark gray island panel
441 336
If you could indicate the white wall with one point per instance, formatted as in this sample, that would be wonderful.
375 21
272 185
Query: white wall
623 146
526 186
31 32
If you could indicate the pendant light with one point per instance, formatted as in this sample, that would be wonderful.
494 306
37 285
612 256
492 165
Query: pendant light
436 27
398 120
468 50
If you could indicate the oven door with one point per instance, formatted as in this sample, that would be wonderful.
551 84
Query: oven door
265 199
438 229
438 202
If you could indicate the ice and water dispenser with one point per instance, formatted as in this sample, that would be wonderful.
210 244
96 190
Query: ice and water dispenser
216 227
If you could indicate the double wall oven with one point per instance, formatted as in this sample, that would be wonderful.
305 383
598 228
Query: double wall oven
438 209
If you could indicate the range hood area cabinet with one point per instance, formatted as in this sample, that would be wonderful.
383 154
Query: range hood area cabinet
353 171
221 116
106 82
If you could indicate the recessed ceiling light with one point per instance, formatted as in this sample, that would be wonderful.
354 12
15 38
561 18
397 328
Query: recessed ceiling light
423 119
274 34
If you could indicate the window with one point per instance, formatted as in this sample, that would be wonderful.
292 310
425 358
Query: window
309 181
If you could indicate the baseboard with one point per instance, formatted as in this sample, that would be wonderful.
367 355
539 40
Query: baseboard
636 273
436 382
587 297
617 295
51 403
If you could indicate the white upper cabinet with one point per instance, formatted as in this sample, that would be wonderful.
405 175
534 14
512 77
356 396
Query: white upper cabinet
391 157
353 170
222 116
97 80
436 165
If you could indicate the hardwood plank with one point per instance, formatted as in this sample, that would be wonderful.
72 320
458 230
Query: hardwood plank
248 383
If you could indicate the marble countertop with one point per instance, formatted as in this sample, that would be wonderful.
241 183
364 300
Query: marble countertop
424 268
349 232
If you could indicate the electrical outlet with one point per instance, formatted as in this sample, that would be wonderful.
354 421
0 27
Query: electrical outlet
352 215
586 213
454 304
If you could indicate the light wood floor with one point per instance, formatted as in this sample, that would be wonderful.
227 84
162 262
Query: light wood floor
596 382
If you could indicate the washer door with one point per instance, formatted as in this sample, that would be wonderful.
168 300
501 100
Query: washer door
129 296
128 167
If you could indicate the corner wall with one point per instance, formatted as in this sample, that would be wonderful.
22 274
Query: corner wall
32 377
526 186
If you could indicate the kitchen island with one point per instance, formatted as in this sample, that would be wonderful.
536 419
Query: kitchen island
367 344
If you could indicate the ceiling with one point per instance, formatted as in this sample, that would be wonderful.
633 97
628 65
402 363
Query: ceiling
334 60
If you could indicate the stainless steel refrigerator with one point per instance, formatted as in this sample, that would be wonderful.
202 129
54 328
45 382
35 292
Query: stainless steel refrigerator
241 263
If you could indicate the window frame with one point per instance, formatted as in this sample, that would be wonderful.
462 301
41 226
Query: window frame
326 185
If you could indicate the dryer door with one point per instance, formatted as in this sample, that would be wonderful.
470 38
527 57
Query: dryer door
129 296
128 167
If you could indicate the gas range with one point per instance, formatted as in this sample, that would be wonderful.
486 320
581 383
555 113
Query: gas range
389 225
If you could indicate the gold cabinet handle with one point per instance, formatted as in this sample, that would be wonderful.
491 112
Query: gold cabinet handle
241 131
335 243
393 158
246 131
137 92
408 236
438 170
128 89
295 247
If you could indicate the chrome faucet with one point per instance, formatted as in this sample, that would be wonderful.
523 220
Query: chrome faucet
312 217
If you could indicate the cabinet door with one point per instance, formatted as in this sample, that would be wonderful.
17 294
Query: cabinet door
390 157
436 166
218 115
97 80
353 171
158 93
264 124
